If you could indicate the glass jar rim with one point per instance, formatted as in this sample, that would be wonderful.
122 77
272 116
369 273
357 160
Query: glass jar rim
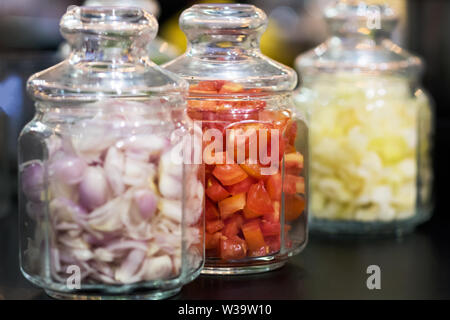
223 16
117 20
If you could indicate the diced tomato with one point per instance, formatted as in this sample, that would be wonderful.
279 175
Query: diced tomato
290 149
216 158
231 205
231 87
232 248
276 117
273 186
270 228
253 236
241 187
215 191
249 214
211 211
233 225
258 200
273 242
290 133
200 105
243 139
229 174
293 184
293 160
210 86
261 252
293 207
275 215
212 240
254 170
214 226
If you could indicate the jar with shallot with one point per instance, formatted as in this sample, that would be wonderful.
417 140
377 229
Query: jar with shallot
109 208
254 143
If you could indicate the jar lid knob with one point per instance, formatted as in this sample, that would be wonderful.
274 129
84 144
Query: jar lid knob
108 21
222 19
359 16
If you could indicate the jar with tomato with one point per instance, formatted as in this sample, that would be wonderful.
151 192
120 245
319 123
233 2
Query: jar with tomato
254 143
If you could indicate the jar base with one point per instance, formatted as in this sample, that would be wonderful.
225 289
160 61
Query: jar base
399 228
154 295
241 270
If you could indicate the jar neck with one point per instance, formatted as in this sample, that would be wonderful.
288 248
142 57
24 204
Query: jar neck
106 49
224 45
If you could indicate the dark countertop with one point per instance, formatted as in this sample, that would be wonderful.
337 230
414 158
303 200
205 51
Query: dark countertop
416 266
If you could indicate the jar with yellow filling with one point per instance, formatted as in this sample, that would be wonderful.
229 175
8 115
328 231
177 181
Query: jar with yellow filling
370 128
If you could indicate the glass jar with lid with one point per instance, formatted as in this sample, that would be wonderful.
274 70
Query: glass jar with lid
255 143
104 208
370 126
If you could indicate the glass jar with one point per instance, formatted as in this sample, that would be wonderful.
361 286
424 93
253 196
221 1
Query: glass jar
254 142
104 212
370 127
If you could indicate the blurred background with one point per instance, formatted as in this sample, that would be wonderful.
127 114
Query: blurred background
30 41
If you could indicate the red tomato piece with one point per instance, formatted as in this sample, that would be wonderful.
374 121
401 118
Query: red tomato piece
231 87
273 186
229 174
290 133
249 214
275 215
293 207
258 200
269 228
293 160
253 236
293 184
210 86
232 248
233 225
211 211
254 170
215 191
231 205
241 187
212 240
274 243
263 251
214 226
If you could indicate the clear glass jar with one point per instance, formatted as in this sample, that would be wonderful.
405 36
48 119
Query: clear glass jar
370 127
159 50
104 212
254 141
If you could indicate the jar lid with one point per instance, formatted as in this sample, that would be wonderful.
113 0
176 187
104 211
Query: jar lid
360 42
108 58
148 5
223 44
